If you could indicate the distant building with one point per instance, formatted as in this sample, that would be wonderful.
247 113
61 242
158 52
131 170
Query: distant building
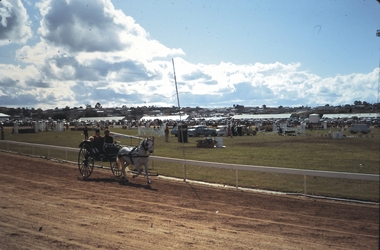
4 117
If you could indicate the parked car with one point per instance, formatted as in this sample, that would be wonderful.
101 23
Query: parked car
174 131
201 130
221 130
359 128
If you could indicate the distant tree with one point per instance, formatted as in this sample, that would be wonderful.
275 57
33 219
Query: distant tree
98 106
59 116
264 106
136 113
357 102
44 116
91 113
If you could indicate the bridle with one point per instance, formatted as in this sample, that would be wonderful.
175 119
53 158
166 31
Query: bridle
145 144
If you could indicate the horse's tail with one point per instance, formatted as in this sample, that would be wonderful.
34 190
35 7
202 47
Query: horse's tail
119 163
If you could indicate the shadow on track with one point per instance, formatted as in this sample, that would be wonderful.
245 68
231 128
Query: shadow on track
120 181
137 185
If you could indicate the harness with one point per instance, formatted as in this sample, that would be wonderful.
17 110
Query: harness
132 155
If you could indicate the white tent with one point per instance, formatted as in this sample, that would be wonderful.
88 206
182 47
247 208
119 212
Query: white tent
164 117
4 117
99 119
350 115
262 116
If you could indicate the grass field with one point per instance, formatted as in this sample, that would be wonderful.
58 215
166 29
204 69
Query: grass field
314 151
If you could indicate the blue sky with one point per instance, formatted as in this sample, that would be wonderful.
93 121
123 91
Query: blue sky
253 53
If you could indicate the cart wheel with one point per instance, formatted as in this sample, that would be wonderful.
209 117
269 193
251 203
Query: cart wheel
85 161
115 169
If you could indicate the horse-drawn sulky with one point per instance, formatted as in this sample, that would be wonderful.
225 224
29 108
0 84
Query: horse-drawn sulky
118 157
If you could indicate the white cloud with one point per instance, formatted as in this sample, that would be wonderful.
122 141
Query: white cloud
94 29
14 23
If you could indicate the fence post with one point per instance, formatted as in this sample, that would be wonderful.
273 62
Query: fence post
304 185
237 179
184 172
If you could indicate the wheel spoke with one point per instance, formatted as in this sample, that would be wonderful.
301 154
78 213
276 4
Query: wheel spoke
115 169
85 162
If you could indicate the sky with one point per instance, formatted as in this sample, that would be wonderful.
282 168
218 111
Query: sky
73 53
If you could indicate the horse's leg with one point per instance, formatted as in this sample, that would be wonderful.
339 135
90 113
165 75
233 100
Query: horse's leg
146 173
137 164
138 171
124 174
122 165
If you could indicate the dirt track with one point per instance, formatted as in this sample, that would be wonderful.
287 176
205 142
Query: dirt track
45 205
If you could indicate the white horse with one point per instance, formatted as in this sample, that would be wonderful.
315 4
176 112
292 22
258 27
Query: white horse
137 156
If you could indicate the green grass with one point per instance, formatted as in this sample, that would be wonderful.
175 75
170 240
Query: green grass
317 151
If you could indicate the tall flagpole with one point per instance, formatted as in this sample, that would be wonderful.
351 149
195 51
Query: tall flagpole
180 120
176 89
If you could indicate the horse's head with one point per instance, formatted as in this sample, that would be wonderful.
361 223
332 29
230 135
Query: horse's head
148 144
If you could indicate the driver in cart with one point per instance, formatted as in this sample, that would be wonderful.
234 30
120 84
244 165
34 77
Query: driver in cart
107 138
97 141
110 148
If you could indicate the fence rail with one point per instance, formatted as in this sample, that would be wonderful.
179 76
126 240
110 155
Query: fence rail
302 172
317 173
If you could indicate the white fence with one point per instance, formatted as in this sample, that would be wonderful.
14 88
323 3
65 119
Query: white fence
143 131
236 167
